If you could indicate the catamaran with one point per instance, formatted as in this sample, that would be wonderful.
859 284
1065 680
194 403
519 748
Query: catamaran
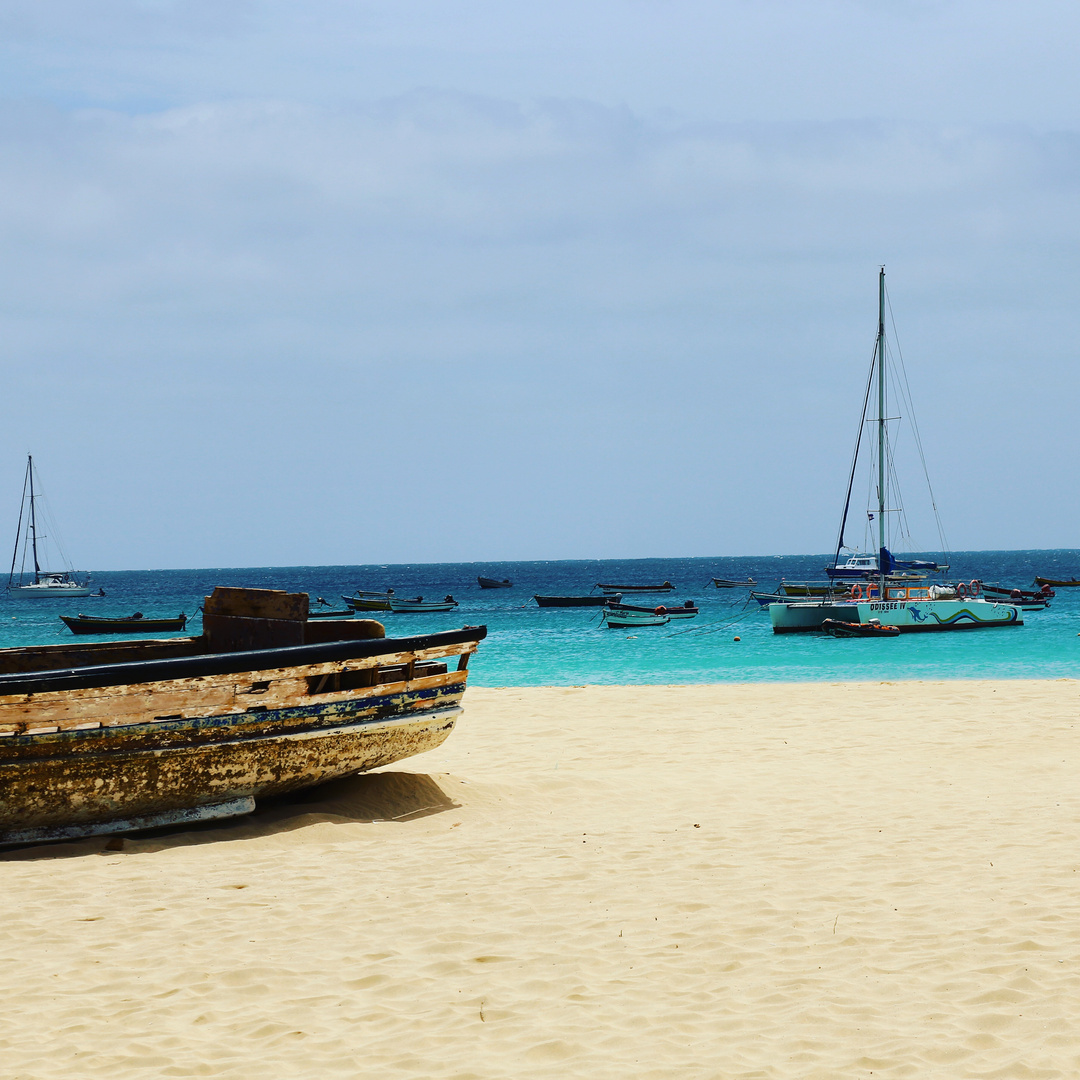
37 582
908 605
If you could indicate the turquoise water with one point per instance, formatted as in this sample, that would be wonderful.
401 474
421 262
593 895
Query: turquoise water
529 646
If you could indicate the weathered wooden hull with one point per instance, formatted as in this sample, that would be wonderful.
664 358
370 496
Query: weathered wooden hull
81 781
86 746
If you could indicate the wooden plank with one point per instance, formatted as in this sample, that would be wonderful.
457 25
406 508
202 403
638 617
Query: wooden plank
231 679
319 631
205 695
242 633
257 603
176 701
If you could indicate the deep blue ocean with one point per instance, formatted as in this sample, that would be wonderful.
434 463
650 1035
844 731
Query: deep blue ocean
530 646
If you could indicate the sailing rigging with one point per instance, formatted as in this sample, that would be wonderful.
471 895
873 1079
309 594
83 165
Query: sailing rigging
31 542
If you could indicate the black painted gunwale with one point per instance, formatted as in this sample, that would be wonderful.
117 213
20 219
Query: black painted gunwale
193 667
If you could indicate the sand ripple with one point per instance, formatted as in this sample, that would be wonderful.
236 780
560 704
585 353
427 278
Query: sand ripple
738 882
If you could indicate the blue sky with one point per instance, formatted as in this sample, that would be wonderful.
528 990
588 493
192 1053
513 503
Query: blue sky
369 282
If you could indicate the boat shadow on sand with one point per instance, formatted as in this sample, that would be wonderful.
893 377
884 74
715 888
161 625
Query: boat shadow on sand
364 799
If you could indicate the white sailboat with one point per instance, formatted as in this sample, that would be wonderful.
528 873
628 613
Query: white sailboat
41 583
907 605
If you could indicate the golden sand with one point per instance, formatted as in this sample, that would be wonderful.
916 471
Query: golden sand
609 882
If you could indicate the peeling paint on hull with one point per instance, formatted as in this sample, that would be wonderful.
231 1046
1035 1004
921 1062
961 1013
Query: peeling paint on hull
100 752
71 788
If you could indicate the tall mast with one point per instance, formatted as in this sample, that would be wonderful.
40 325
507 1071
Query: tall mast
33 518
881 429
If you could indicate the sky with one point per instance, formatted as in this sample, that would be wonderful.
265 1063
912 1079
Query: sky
372 282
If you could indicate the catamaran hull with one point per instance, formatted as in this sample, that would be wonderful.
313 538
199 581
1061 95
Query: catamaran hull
910 616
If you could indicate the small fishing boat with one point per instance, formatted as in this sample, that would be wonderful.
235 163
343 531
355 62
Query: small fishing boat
619 619
1004 592
348 613
420 604
687 610
811 588
491 583
369 601
30 581
663 587
1057 584
114 736
571 601
132 624
873 628
727 583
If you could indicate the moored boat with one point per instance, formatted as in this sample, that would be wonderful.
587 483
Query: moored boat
727 583
686 610
30 581
492 583
369 601
620 619
842 629
132 624
663 587
1057 583
420 604
115 736
571 601
1005 592
908 602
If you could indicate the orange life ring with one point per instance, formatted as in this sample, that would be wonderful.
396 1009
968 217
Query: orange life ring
975 587
856 592
661 610
961 590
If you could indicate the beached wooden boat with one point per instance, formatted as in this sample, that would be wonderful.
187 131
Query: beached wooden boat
132 624
727 583
1056 583
113 736
571 601
842 629
492 583
419 604
661 588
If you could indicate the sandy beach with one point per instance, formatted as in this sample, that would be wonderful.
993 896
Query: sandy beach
813 880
